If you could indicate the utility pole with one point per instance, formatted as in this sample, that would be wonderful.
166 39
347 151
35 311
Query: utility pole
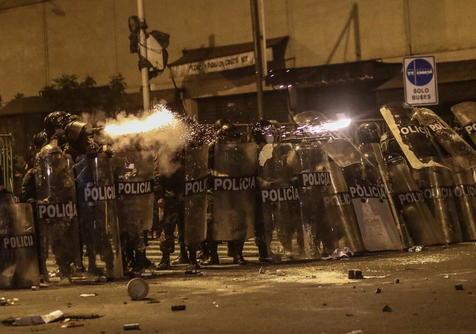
143 54
259 50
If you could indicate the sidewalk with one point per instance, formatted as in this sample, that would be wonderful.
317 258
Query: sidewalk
315 297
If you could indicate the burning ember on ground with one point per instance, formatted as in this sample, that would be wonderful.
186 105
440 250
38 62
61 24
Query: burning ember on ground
159 118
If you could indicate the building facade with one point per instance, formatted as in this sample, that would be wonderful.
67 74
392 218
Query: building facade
41 40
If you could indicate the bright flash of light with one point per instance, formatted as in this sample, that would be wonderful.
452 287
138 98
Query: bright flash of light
328 126
159 118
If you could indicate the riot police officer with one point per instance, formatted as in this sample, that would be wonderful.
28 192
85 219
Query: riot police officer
234 190
172 186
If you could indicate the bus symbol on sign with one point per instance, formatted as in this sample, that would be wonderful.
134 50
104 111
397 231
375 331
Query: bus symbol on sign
419 72
419 76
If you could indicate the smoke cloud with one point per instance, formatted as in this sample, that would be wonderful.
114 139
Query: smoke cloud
159 132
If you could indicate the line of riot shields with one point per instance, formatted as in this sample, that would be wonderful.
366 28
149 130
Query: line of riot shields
301 192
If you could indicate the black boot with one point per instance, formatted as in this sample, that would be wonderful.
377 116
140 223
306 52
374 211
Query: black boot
213 251
264 256
165 261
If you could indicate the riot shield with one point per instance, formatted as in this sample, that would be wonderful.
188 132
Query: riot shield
98 214
195 195
413 138
280 209
411 206
465 196
18 248
462 153
234 190
465 113
342 229
369 198
56 208
373 153
314 178
437 187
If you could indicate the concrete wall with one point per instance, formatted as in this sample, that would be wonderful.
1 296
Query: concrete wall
43 41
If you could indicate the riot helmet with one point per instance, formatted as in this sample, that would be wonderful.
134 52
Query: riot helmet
368 133
264 132
54 121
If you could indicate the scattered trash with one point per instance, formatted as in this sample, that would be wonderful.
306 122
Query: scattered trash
349 315
379 290
339 254
37 319
397 281
356 331
137 288
279 272
262 270
324 304
415 249
387 308
8 302
178 307
88 295
71 324
446 276
131 327
215 303
355 274
459 286
153 301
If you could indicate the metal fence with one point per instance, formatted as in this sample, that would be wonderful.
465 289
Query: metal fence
6 160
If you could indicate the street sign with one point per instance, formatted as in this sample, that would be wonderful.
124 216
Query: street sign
419 77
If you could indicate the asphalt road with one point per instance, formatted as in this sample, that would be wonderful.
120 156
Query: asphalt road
315 297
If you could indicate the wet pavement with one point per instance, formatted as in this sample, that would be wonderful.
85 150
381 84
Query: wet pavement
401 292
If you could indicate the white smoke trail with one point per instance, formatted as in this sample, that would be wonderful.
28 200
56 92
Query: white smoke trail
159 132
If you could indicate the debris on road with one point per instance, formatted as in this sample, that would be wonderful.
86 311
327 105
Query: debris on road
178 307
415 249
339 254
88 295
137 288
397 281
67 323
387 308
355 274
7 301
131 327
261 270
279 272
379 290
459 286
36 319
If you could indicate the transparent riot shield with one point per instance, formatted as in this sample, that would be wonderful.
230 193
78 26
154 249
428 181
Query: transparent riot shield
314 178
376 223
18 245
133 170
234 191
373 153
465 113
436 185
461 152
56 210
195 196
411 206
280 208
98 215
342 229
465 196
